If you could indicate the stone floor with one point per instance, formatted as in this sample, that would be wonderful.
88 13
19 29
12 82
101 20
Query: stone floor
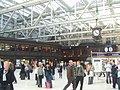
58 84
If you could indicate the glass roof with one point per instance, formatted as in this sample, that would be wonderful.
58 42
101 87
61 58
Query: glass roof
82 14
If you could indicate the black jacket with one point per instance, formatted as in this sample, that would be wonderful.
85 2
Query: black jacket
114 71
9 76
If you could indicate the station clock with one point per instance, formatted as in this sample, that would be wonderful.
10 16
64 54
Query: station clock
96 33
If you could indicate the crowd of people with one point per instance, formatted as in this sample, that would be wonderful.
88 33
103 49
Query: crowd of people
113 73
76 71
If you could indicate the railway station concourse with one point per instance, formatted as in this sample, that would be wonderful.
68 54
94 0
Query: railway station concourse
57 31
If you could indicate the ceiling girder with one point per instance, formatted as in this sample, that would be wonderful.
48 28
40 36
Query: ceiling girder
60 23
22 5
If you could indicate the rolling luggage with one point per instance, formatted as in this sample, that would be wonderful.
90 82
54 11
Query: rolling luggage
47 84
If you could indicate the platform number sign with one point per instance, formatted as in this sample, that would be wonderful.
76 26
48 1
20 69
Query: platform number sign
108 49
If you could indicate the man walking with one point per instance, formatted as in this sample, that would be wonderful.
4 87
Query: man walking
70 75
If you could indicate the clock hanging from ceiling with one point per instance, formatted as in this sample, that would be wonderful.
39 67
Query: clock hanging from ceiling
96 33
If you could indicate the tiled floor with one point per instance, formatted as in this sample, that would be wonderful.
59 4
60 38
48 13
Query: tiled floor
58 84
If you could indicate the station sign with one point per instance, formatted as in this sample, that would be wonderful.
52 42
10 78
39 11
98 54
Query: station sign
113 54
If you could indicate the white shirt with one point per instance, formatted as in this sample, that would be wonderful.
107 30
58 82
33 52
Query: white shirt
4 75
108 67
119 71
91 74
36 70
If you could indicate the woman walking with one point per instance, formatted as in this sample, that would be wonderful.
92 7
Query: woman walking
48 74
79 75
60 71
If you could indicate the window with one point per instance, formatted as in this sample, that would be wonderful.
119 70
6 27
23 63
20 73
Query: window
2 47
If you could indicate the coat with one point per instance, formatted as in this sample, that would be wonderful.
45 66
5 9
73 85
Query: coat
70 72
10 77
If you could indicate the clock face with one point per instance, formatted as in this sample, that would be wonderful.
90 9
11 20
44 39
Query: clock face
96 32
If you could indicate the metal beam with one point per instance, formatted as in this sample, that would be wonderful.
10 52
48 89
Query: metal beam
86 8
79 38
14 2
42 13
78 9
72 33
21 5
8 21
23 18
63 10
64 22
63 3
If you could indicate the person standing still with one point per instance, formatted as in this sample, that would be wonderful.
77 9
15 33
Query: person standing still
40 75
114 74
70 76
90 74
108 67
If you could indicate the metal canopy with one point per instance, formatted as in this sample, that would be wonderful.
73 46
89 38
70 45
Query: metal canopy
68 22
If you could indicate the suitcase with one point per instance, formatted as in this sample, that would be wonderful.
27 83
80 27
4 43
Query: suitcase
47 84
